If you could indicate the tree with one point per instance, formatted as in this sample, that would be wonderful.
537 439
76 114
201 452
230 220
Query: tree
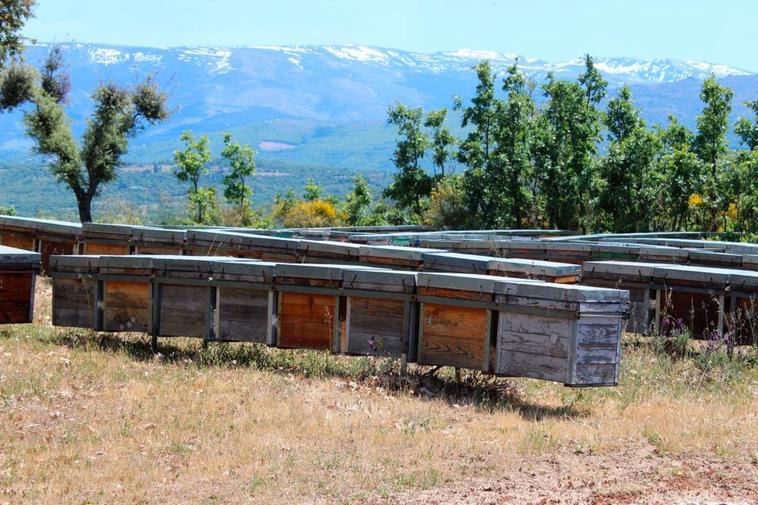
242 163
411 184
514 131
191 165
710 143
747 130
629 182
681 174
358 203
442 140
475 150
566 137
312 190
119 114
13 16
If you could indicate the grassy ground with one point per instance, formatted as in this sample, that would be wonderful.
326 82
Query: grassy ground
96 418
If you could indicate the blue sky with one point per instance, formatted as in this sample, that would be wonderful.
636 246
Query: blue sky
718 31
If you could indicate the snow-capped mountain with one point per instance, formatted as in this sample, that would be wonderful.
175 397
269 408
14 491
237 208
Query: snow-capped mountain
326 87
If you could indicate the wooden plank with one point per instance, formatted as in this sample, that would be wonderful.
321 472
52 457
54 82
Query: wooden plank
306 320
126 306
158 250
18 241
184 311
453 336
243 314
376 327
96 248
16 296
52 248
75 302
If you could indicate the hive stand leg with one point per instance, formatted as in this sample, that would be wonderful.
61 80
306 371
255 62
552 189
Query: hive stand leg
458 376
154 343
156 314
403 365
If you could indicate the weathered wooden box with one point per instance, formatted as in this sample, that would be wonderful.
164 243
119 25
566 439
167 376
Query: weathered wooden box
309 314
381 315
18 271
408 258
518 327
76 291
150 240
503 267
183 299
48 237
245 301
666 297
106 239
127 292
328 251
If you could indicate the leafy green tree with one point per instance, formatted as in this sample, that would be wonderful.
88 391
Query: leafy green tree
629 182
358 203
119 114
13 16
566 138
510 181
242 163
312 190
747 130
411 184
747 169
682 178
711 146
442 140
191 164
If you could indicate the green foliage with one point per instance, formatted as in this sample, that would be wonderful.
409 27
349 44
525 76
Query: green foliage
629 182
119 113
13 16
312 190
442 140
411 185
747 130
359 210
191 165
7 211
448 207
241 161
711 146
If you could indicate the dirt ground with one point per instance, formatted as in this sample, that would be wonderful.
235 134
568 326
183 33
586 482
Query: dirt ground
634 476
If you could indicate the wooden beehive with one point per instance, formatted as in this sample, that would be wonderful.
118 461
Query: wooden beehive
309 311
407 258
381 315
183 299
328 251
559 332
76 291
245 301
126 292
18 271
672 296
503 267
106 239
150 240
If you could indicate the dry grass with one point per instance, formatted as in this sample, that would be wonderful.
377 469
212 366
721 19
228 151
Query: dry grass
88 418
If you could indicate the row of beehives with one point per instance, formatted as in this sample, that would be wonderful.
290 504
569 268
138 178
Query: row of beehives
18 271
511 327
56 238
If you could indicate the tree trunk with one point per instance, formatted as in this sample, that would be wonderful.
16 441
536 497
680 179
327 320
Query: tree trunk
85 208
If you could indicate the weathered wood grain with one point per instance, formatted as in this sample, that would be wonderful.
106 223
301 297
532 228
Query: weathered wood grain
75 302
375 327
243 314
98 248
55 247
306 320
184 311
16 296
126 306
453 336
18 241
